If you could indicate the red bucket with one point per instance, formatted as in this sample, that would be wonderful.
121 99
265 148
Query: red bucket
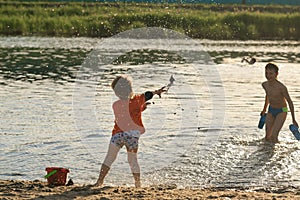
56 176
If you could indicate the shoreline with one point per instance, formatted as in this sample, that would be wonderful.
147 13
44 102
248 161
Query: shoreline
21 189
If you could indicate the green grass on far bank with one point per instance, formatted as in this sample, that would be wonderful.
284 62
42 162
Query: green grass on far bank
104 20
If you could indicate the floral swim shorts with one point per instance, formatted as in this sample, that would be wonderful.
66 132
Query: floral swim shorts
130 139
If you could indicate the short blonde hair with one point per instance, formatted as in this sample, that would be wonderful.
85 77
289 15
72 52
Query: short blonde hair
122 86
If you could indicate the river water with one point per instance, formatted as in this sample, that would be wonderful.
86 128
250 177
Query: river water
56 110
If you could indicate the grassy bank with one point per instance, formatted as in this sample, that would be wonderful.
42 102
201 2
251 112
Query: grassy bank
104 19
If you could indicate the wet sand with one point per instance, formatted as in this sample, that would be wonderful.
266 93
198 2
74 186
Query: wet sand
14 189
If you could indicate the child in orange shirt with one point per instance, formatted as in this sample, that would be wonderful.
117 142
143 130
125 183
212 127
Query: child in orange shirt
128 126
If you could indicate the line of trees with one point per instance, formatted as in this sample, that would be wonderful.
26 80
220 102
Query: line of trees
104 20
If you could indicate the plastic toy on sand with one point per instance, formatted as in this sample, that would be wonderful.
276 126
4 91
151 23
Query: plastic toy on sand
56 176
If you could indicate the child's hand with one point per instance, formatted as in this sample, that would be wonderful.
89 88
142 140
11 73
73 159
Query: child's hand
145 106
295 123
262 113
161 90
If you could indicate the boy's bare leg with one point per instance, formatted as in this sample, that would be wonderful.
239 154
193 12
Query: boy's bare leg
269 126
134 165
103 172
278 123
137 179
109 159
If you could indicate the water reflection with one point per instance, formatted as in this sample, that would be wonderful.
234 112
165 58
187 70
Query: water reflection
221 57
146 56
32 64
253 164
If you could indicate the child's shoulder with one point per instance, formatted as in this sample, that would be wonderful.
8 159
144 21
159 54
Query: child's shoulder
136 96
264 83
116 102
281 85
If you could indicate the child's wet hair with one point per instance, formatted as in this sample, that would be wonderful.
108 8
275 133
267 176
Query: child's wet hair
272 66
122 87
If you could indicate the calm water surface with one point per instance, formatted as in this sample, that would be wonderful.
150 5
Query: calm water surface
202 133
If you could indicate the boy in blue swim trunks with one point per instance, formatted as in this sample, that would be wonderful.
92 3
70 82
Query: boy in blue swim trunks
277 97
128 126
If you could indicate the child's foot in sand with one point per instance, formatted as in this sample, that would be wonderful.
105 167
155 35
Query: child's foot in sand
98 184
138 184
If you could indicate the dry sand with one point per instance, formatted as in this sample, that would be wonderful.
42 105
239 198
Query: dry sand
12 189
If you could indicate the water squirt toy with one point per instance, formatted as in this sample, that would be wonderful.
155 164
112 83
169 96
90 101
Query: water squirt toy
295 130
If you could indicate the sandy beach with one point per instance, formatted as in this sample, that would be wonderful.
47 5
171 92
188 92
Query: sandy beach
14 189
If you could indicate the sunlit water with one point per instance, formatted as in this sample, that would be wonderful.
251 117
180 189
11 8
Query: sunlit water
42 125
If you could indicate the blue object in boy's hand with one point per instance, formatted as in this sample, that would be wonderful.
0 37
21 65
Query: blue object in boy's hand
262 121
295 131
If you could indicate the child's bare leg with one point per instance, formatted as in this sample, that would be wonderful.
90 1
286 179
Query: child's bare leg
269 126
109 159
278 123
134 166
137 179
103 172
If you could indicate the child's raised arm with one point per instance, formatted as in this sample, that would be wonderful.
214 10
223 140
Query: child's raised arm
158 92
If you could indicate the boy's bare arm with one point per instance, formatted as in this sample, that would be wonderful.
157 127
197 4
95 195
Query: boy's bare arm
291 105
266 100
265 106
